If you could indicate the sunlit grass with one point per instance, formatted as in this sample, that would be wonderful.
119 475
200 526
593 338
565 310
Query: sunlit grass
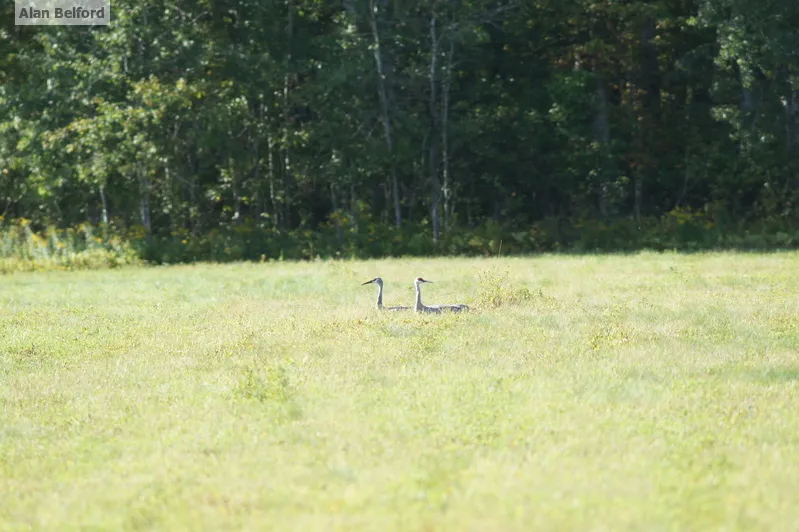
616 392
80 248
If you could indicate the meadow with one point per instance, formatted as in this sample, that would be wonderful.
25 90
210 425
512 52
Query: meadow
617 392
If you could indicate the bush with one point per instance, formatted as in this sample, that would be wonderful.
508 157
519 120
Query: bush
80 248
87 247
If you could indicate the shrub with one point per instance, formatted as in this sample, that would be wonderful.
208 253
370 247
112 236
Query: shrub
83 247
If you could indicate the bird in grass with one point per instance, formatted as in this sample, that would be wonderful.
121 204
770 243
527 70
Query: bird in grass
436 309
379 282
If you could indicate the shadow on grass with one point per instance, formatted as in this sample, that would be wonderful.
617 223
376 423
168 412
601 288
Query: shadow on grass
775 375
601 252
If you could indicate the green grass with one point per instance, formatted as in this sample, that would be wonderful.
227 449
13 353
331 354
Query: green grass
641 392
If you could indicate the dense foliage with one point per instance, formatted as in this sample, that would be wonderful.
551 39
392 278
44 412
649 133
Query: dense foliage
420 125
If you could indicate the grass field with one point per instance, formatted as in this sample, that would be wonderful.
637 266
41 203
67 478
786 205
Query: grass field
641 392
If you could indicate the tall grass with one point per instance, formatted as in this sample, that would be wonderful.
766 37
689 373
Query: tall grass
80 248
87 247
637 392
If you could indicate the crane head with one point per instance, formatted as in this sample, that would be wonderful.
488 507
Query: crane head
377 280
420 280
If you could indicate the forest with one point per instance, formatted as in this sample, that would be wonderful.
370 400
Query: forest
244 129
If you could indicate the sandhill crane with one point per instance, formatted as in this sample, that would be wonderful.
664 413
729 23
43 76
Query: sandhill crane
379 282
420 307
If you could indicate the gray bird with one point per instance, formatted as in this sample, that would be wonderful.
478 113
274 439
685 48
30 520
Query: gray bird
437 309
379 282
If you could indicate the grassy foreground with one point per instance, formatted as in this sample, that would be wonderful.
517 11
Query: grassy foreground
618 392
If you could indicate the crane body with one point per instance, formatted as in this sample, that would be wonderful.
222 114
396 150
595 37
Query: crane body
435 309
379 282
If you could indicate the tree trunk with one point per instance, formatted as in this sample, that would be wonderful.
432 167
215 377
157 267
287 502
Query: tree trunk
169 191
256 173
270 168
649 119
104 206
638 195
433 158
236 191
285 147
794 106
419 174
599 32
144 201
382 92
650 71
336 213
356 217
192 170
447 186
791 129
602 127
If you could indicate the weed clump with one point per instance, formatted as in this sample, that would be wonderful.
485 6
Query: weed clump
496 291
269 386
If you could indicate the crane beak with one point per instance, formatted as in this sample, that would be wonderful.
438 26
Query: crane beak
367 282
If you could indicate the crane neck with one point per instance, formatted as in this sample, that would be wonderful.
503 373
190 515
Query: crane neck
419 305
379 296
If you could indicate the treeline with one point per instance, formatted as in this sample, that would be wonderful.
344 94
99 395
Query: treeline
363 118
